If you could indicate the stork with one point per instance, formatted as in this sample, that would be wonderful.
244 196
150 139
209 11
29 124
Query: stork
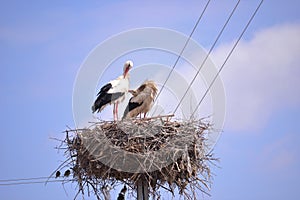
142 100
113 92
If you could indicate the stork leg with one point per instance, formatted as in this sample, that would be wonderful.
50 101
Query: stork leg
114 112
117 111
145 115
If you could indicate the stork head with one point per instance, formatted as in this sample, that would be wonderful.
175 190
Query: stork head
127 66
133 92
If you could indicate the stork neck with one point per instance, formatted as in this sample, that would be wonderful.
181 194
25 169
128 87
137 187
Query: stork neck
125 72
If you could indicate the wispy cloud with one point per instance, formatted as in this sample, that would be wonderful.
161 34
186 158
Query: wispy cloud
261 77
279 156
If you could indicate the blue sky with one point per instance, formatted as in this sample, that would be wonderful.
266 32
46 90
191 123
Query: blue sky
42 46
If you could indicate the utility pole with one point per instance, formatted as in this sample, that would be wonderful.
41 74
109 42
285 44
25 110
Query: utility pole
142 189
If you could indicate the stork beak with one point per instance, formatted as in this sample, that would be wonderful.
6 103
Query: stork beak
129 67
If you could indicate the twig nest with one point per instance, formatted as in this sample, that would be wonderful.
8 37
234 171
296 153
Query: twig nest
165 153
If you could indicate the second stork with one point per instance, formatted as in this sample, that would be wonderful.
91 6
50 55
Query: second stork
142 100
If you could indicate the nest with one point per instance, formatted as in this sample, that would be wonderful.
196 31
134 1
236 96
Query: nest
167 155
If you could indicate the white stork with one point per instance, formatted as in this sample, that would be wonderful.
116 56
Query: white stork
113 92
142 100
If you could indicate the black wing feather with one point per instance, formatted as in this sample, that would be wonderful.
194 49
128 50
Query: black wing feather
131 106
105 98
105 88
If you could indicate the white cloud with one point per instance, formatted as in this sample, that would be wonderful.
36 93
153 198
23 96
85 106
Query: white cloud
261 77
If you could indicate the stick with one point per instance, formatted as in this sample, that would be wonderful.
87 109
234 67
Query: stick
159 116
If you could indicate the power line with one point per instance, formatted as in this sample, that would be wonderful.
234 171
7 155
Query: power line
32 182
204 61
185 45
229 54
24 179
